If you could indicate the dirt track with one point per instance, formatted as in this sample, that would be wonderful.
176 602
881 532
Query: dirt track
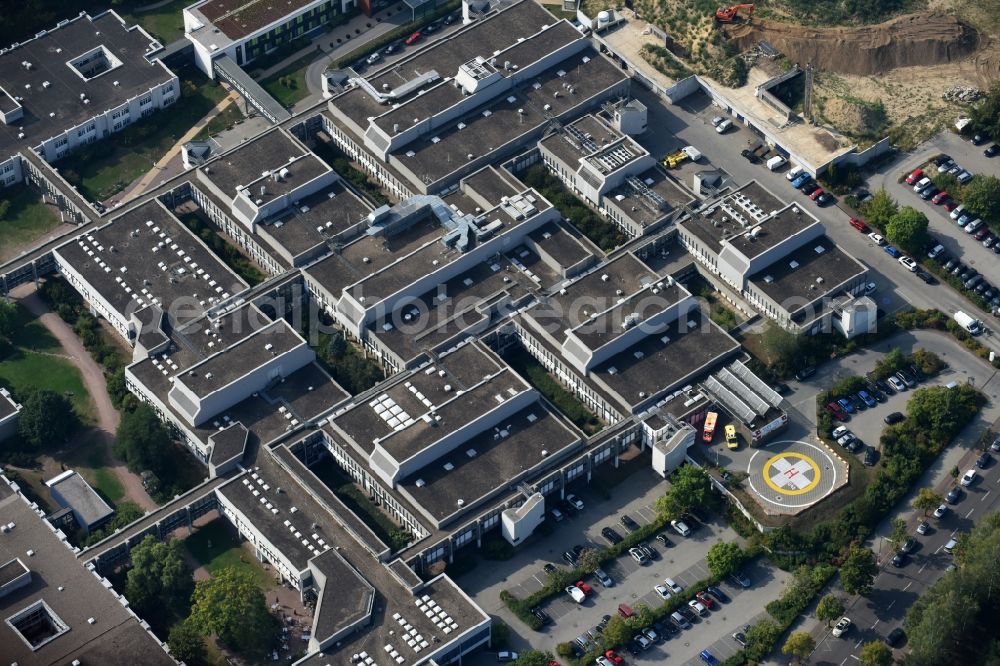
906 41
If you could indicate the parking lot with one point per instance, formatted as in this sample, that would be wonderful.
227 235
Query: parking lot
684 561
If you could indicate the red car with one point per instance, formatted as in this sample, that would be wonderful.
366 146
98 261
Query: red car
859 225
705 599
815 195
981 234
950 206
939 197
614 657
586 589
837 411
915 176
413 39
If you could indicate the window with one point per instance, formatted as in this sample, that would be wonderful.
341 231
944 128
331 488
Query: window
7 168
145 100
61 142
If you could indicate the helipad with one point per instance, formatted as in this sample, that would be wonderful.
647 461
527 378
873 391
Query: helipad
789 476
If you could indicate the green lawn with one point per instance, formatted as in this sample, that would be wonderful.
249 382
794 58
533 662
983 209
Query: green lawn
288 86
103 169
230 116
90 463
165 23
25 220
215 547
34 362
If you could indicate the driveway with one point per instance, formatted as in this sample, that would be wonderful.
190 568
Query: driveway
93 379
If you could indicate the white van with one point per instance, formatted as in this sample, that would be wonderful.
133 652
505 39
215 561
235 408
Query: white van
776 162
794 172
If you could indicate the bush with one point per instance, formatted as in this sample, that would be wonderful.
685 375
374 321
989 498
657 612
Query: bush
603 233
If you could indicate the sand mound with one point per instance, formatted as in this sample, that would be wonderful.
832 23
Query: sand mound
850 117
927 38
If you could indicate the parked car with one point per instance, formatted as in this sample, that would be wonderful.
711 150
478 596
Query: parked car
941 511
919 186
964 177
805 373
846 405
838 413
992 150
871 456
741 579
629 524
983 461
956 212
908 546
506 656
878 239
923 528
894 417
603 578
906 379
939 197
979 139
944 166
908 263
662 591
973 226
839 629
575 501
801 180
664 539
638 555
542 616
698 607
867 398
612 536
897 384
815 193
895 637
900 559
925 276
672 586
883 386
678 619
935 251
586 589
824 199
969 478
413 39
892 251
724 126
914 176
809 188
680 527
954 495
721 596
859 225
740 638
708 658
928 192
839 432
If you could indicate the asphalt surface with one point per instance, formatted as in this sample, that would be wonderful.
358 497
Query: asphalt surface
683 561
689 123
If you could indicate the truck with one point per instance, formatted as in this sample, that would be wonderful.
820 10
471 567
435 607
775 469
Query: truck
679 156
708 431
970 324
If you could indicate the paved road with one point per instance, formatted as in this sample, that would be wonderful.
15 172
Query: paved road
689 122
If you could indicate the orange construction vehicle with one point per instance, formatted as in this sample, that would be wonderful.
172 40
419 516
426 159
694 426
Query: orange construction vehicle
731 14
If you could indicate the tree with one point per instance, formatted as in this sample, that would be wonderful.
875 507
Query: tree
590 560
761 637
875 653
690 487
926 500
800 645
337 346
829 608
617 632
782 349
186 644
857 573
880 209
908 229
143 441
982 197
159 579
232 606
8 314
499 634
533 658
898 533
724 558
46 419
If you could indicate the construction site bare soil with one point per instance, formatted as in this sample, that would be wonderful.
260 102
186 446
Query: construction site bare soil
923 39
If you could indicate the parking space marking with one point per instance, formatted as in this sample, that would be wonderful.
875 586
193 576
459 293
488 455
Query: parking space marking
876 623
970 512
908 585
921 569
983 499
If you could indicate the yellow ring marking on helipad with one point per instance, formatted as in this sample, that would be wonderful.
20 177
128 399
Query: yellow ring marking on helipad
769 465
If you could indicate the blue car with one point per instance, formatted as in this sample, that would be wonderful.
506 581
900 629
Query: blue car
708 658
892 251
847 405
801 180
867 398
